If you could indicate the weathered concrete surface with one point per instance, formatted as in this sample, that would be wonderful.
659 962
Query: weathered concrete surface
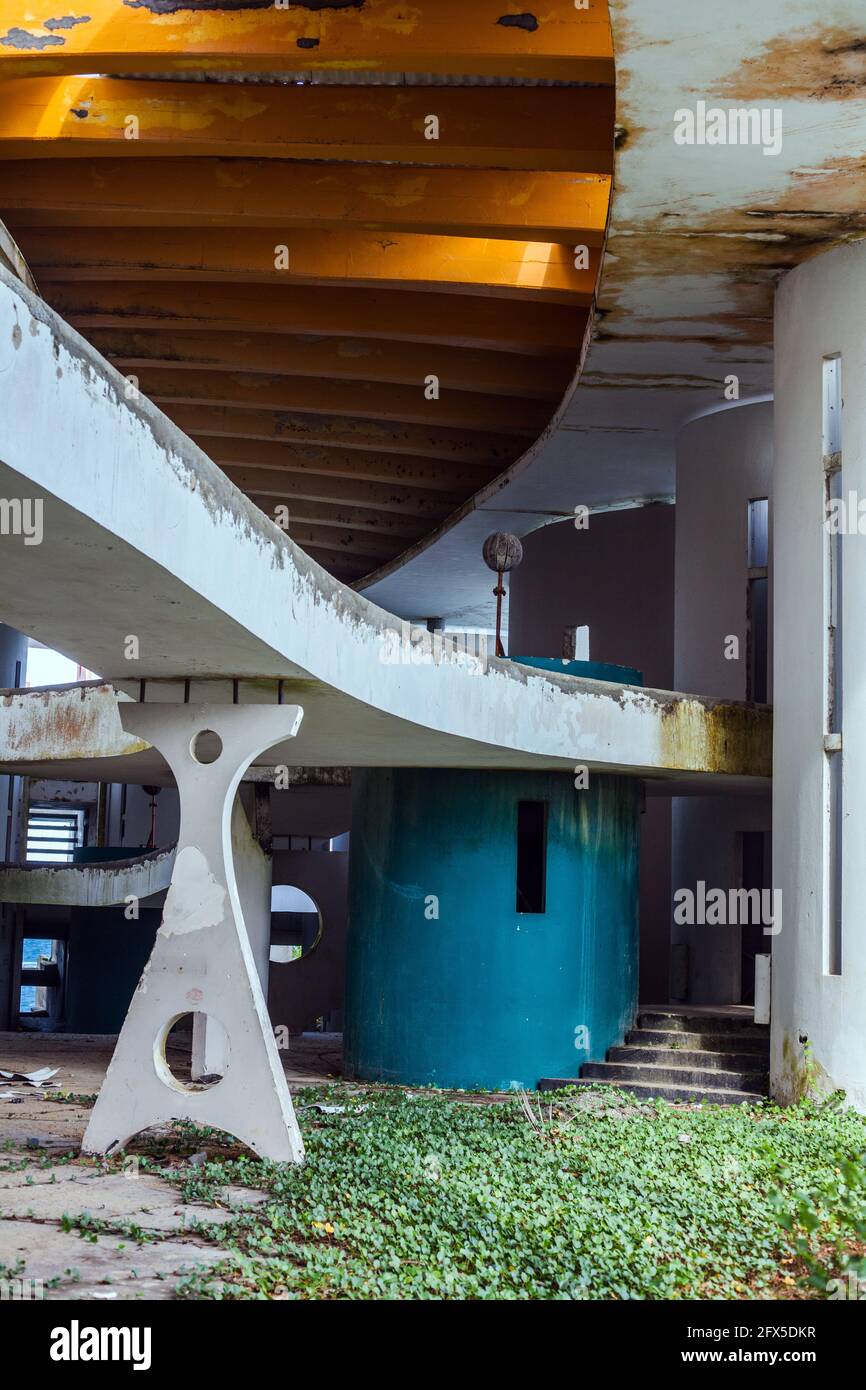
87 885
169 553
120 1198
688 738
698 238
73 721
39 1185
12 259
110 1267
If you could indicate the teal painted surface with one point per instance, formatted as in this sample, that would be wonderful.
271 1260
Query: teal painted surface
590 670
485 996
107 954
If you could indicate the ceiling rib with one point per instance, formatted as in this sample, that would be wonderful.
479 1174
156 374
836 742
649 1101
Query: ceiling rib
430 36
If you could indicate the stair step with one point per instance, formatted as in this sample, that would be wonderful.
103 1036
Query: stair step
701 1023
703 1041
691 1057
646 1091
706 1079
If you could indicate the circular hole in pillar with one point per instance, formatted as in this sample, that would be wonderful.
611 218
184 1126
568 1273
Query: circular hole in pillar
206 746
192 1052
296 924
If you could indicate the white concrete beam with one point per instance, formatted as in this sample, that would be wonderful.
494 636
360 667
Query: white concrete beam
144 538
87 885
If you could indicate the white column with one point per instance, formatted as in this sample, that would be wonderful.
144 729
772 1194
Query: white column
202 961
819 1000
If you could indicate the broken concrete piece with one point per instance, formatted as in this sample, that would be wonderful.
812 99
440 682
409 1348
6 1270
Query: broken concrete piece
30 1078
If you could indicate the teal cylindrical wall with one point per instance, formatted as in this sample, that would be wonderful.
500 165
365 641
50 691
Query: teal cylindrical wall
447 984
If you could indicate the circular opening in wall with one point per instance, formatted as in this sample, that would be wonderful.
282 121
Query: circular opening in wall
296 924
206 746
191 1052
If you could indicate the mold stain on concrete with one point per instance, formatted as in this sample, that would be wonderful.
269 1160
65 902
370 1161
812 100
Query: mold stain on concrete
803 1077
722 737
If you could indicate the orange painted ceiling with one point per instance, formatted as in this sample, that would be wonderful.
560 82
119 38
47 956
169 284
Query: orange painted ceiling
359 281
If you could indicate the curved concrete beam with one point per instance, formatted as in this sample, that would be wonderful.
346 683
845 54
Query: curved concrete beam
11 258
87 885
142 537
64 722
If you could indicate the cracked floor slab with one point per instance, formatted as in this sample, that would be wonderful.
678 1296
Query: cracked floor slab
74 1224
73 1266
129 1198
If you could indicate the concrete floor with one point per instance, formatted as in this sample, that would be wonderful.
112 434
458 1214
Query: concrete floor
44 1186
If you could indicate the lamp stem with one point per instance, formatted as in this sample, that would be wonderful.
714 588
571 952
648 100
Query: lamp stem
499 591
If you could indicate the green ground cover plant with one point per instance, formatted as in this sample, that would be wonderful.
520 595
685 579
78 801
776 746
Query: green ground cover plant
584 1194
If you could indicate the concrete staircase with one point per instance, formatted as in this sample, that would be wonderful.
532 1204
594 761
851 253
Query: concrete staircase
721 1058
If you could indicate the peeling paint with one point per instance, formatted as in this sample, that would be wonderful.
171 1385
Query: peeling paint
68 21
169 7
24 40
519 21
196 899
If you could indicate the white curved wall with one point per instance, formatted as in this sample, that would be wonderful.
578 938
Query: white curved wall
820 311
724 459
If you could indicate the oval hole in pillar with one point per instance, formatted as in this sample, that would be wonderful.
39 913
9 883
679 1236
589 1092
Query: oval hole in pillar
190 1068
296 924
206 746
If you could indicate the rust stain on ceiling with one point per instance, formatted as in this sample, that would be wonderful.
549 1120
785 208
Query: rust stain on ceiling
815 64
